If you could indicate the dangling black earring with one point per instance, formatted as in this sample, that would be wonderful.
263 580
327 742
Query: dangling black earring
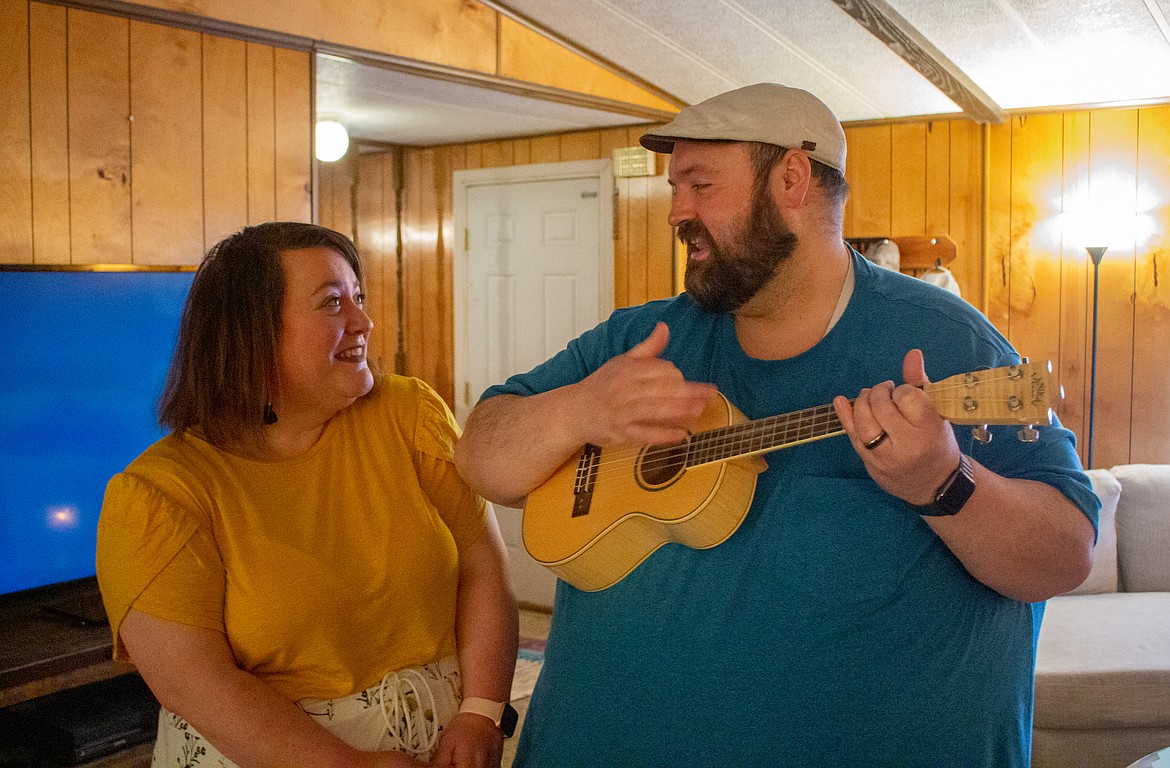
269 415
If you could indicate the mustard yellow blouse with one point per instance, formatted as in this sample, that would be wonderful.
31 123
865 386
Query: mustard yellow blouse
324 571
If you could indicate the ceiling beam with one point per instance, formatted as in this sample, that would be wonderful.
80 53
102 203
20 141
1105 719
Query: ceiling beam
887 25
523 20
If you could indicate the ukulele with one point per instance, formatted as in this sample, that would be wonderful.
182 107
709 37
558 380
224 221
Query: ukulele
606 509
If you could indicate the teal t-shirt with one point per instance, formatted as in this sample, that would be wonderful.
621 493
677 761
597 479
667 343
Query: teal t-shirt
833 628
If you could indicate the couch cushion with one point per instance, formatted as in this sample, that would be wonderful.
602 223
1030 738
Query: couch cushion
1103 661
1095 747
1103 577
1143 527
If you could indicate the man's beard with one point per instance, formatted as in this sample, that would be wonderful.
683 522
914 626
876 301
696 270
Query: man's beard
735 272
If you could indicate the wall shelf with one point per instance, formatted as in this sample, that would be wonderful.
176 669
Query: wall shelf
916 253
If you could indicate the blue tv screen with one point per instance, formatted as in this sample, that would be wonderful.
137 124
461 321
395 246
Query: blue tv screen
85 357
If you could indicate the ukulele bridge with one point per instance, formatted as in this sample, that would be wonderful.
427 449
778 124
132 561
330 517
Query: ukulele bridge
585 480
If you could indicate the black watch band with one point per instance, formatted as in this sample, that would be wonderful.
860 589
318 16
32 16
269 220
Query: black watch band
953 493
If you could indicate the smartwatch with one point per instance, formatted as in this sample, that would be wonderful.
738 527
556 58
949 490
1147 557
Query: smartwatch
953 493
503 714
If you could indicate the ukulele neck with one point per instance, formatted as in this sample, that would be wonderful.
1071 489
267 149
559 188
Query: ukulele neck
763 435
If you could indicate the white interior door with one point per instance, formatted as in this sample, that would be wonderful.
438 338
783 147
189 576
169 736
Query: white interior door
537 271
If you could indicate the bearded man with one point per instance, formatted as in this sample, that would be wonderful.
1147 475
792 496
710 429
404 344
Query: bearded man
880 602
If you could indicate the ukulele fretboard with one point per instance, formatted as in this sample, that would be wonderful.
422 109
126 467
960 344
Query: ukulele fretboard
761 435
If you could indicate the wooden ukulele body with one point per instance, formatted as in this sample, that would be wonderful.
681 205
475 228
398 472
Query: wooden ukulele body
636 508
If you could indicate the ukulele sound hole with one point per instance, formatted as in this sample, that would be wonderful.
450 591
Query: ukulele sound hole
662 464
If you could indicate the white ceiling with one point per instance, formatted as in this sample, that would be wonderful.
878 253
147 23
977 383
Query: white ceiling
381 104
980 57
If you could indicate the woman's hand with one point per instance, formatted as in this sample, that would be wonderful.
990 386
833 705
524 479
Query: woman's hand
470 741
487 633
193 673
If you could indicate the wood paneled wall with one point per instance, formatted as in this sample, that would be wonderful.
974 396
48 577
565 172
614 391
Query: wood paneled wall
995 191
643 252
128 142
463 34
123 141
1040 279
922 179
941 195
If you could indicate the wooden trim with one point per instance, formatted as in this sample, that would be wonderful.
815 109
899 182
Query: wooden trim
880 121
525 21
189 22
297 42
1095 107
97 268
464 176
887 25
507 85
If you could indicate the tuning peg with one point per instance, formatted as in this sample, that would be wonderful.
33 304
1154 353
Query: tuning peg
982 434
1028 434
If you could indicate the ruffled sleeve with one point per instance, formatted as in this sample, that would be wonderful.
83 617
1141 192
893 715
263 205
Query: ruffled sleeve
435 435
157 557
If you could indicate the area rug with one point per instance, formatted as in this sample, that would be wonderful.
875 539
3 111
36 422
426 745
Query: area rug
529 660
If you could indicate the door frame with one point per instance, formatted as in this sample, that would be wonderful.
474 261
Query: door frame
601 169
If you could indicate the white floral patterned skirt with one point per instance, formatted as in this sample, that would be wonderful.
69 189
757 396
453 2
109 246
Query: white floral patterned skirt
405 712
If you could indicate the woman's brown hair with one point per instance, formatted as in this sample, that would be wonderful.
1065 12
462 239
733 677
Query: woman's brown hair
224 362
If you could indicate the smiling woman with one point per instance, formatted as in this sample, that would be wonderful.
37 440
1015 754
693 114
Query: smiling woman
300 503
321 348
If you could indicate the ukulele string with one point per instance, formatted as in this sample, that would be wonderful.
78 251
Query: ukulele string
723 442
757 436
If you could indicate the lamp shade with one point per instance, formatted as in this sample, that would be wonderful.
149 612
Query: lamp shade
332 141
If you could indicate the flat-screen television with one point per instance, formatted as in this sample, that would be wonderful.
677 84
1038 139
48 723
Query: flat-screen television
85 355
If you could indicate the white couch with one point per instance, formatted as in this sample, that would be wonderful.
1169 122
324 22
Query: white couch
1103 661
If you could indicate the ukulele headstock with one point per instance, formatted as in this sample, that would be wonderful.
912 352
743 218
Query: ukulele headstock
1013 394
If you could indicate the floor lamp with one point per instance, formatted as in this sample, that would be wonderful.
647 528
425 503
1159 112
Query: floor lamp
1095 253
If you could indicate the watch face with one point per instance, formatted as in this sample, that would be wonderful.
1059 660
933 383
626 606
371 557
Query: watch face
508 720
954 493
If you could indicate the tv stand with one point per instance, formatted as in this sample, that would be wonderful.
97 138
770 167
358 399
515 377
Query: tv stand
68 646
83 610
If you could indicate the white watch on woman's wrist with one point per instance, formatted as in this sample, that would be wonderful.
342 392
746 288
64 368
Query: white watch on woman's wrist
502 713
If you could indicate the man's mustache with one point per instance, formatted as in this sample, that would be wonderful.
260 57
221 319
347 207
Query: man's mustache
692 230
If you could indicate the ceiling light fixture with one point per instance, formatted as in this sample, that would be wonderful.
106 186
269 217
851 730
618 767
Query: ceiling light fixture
332 141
